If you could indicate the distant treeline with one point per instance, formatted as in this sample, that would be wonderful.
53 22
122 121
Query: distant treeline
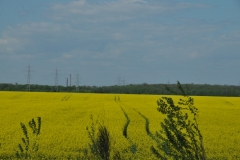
192 89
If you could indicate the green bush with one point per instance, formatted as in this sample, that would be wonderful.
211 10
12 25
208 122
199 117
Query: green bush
28 148
180 137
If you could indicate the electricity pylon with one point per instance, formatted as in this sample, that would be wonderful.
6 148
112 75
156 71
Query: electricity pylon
56 80
28 77
77 81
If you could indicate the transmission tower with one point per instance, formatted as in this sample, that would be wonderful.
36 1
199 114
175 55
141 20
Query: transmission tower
118 81
56 80
70 80
77 81
123 81
28 77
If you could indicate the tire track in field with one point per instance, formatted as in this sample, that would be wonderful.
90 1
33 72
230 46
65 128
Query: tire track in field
149 133
65 98
17 96
133 130
126 124
125 127
128 120
133 146
147 123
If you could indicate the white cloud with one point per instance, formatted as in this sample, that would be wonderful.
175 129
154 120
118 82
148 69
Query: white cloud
10 45
119 10
193 55
130 39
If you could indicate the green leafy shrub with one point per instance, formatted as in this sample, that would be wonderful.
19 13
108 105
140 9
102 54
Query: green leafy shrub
100 142
180 137
28 148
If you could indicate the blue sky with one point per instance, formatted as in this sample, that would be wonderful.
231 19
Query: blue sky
141 41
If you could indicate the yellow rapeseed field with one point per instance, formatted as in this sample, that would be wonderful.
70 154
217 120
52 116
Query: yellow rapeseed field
65 117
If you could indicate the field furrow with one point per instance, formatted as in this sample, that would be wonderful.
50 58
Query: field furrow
137 136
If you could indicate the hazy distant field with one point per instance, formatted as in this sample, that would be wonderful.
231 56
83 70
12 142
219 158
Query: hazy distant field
65 117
